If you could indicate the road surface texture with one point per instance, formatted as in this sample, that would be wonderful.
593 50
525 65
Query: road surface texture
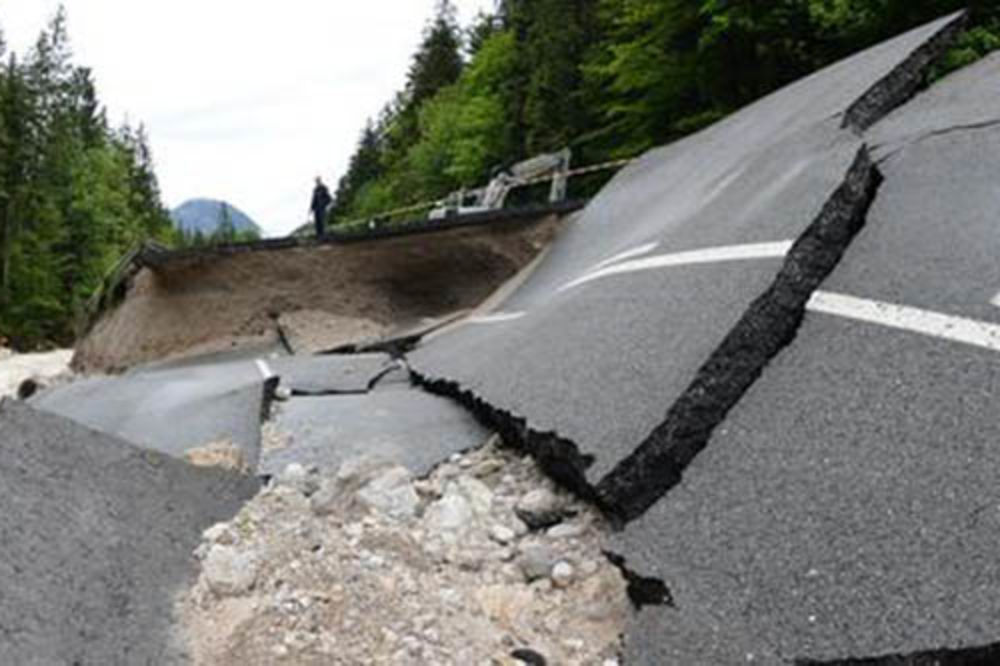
171 410
768 352
658 271
95 538
849 506
397 423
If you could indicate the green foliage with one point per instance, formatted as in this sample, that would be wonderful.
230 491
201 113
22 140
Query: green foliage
74 193
610 78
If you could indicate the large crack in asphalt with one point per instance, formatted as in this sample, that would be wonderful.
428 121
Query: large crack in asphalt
904 81
560 458
986 655
769 324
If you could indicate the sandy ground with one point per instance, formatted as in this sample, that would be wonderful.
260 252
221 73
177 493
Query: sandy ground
16 368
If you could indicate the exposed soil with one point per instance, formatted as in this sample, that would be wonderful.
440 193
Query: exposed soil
216 301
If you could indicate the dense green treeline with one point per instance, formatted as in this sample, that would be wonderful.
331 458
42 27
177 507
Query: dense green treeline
75 193
609 78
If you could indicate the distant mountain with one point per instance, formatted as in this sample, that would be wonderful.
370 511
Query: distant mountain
204 215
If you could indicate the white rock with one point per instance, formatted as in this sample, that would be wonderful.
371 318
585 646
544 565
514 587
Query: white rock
391 493
520 529
539 508
566 531
293 472
451 512
562 574
337 492
502 534
535 562
306 481
478 493
228 571
219 533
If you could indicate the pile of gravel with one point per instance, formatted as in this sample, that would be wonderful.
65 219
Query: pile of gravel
482 562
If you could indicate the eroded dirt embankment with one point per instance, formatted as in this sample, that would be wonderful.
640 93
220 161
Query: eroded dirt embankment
208 302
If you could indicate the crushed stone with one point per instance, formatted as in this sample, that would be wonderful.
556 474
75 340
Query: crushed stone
371 566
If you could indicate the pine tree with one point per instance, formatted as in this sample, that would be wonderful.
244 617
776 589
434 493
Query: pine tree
438 61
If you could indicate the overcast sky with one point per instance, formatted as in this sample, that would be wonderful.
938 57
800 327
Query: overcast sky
243 101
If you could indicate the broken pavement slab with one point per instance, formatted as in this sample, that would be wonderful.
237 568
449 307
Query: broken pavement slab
331 374
848 507
585 358
171 410
96 539
398 424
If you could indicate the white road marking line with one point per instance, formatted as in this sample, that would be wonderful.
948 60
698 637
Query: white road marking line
495 318
265 369
903 317
711 255
627 254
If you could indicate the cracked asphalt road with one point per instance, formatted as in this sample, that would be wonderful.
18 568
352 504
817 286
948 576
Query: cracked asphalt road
845 504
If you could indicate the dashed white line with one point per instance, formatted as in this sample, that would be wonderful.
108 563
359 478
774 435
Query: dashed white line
495 318
711 255
265 369
903 317
627 254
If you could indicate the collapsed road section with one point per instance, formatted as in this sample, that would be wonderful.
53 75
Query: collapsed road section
847 507
200 301
776 372
96 537
659 269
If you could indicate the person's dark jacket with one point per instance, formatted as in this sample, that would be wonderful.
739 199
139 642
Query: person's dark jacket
321 200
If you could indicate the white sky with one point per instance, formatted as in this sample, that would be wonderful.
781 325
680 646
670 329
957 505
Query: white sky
243 101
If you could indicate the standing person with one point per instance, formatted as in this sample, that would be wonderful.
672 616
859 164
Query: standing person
321 200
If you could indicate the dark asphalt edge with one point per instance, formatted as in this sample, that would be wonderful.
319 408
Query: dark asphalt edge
986 655
770 323
904 81
558 457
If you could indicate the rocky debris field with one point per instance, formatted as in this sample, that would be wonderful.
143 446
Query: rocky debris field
482 562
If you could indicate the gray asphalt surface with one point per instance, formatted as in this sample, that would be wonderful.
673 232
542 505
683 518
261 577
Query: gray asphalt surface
849 507
331 374
95 539
170 410
397 423
600 363
850 504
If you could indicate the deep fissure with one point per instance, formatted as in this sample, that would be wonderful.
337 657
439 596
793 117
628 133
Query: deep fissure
768 325
905 81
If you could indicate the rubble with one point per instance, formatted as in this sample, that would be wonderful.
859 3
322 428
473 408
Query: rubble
370 566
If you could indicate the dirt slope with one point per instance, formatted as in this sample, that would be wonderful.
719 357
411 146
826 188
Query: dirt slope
218 301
